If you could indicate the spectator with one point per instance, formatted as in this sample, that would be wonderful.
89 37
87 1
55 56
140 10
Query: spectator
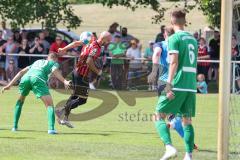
117 50
201 84
2 59
236 57
203 67
44 42
11 71
10 47
48 37
148 55
113 30
214 51
135 65
17 37
125 37
6 33
196 35
36 48
59 43
160 36
24 48
24 34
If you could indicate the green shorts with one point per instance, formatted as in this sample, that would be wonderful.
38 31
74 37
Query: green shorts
184 104
34 84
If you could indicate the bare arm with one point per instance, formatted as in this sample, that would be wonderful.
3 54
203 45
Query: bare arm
15 79
155 66
172 67
204 57
70 46
59 76
92 66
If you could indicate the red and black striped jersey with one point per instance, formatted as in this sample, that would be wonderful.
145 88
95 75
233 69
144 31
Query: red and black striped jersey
92 50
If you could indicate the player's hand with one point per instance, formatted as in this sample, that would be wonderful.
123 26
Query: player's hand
5 88
170 95
61 50
67 84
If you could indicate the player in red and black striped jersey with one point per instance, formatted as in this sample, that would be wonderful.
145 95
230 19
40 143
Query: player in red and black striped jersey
86 63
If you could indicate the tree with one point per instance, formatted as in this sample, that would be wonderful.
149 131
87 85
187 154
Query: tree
48 12
210 8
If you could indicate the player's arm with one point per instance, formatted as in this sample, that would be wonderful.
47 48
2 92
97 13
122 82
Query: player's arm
15 79
92 67
70 46
155 66
56 72
172 67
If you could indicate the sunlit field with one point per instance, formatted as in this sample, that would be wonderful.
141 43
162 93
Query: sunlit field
124 133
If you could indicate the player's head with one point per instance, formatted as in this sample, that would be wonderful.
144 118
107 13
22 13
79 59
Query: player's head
168 31
201 77
105 38
52 56
178 18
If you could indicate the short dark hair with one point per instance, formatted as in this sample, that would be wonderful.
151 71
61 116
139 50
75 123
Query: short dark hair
162 27
178 17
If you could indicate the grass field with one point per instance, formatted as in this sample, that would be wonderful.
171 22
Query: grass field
109 137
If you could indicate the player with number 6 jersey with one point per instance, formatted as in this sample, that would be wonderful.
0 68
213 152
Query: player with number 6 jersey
180 95
184 44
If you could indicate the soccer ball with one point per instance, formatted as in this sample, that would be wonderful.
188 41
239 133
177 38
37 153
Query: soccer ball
86 37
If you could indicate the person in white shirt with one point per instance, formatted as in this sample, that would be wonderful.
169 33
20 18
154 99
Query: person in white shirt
135 66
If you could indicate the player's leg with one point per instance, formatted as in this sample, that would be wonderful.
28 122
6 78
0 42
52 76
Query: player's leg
41 90
188 111
24 89
166 106
48 102
17 112
175 123
79 96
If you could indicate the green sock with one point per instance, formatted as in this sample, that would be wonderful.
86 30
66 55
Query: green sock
189 138
51 117
17 113
163 131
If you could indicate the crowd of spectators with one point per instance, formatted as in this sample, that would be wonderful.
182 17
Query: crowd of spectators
126 65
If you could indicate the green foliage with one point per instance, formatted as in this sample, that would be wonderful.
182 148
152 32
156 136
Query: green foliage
48 12
212 9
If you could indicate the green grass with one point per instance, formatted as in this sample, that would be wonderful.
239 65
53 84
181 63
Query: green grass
108 137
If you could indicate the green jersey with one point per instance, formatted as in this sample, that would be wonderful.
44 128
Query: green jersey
42 69
185 45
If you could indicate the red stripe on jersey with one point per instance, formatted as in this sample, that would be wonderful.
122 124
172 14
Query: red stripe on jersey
93 50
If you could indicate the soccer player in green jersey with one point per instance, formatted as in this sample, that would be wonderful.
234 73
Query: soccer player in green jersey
34 78
180 95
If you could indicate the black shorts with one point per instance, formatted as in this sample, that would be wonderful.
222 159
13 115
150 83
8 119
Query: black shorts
80 85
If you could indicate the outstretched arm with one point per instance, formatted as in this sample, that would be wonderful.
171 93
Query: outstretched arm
15 79
70 46
59 76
